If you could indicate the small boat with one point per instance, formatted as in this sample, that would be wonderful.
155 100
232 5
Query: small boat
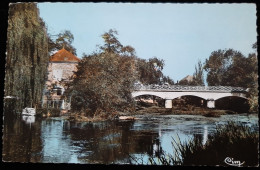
28 119
11 97
29 111
127 118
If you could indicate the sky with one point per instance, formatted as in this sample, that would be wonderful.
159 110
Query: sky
180 34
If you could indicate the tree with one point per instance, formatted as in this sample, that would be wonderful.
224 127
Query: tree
185 83
167 79
231 68
63 40
227 68
198 77
253 91
104 81
150 71
111 42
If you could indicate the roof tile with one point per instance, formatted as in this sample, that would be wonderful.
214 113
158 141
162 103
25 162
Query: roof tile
64 55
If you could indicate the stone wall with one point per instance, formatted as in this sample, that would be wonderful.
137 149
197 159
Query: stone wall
27 57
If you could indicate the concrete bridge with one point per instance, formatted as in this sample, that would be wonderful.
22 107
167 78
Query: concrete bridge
170 92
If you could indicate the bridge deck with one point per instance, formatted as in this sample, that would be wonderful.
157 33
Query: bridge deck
227 89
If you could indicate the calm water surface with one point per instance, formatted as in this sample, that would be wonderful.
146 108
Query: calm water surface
56 140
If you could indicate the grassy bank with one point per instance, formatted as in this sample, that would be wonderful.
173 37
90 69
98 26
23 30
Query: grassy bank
146 108
190 110
235 141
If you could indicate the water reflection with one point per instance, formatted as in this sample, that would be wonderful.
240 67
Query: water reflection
103 142
28 119
205 135
57 140
57 144
21 141
112 141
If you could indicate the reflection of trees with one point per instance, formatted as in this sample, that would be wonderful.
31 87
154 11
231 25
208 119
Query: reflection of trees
112 141
21 141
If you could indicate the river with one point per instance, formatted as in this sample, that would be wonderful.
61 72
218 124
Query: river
57 140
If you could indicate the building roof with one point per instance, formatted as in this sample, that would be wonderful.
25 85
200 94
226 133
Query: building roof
64 56
189 78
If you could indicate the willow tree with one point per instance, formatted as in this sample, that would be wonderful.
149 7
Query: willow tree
104 80
26 59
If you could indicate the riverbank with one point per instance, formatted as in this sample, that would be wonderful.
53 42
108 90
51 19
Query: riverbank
140 110
185 110
49 138
154 110
230 141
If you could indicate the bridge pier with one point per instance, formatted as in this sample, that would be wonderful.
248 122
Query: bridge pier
168 103
211 103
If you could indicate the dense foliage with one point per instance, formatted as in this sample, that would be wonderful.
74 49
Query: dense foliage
229 68
232 68
198 76
27 57
104 80
150 71
233 140
64 40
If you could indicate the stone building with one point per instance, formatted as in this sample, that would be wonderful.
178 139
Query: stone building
188 78
61 67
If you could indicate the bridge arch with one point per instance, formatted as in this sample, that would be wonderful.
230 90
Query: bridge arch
234 103
138 94
147 99
146 94
191 100
191 95
170 95
232 95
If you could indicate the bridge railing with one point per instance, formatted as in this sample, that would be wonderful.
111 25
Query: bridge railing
154 87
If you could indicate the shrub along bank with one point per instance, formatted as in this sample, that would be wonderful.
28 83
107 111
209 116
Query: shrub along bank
232 141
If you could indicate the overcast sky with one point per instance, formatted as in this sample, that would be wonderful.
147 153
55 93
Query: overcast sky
180 34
